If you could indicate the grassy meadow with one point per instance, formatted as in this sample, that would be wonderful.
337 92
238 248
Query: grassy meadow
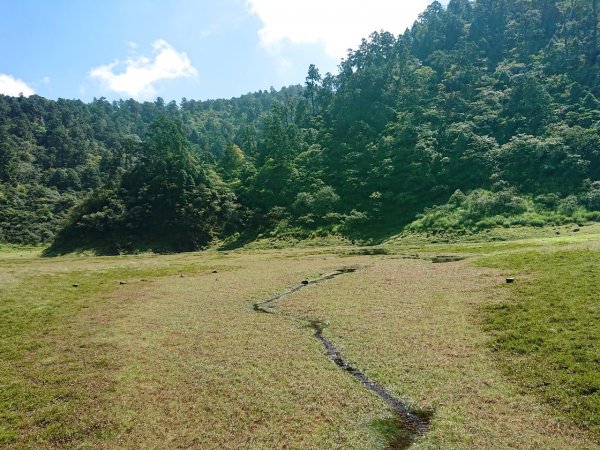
166 351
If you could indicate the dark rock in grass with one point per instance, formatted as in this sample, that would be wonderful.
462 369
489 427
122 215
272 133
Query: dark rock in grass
75 285
122 282
510 280
370 251
557 233
214 271
415 256
304 281
446 259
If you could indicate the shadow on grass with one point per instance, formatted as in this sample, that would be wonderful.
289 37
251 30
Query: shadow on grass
116 247
237 241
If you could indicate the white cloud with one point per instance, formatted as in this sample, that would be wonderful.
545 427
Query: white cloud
10 85
141 73
337 24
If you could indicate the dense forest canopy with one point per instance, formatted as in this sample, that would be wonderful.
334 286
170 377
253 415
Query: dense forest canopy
489 109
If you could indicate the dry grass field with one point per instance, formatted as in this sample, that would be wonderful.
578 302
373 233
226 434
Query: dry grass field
167 352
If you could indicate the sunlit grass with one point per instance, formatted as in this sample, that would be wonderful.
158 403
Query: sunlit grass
548 332
44 356
415 327
176 357
496 241
179 359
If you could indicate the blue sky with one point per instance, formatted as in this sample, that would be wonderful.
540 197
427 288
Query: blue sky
198 49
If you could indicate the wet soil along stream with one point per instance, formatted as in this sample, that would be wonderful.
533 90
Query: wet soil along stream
410 424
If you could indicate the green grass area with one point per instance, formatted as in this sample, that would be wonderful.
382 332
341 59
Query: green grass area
19 250
41 371
494 241
177 356
548 332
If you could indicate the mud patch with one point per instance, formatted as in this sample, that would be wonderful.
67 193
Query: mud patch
407 424
268 305
393 432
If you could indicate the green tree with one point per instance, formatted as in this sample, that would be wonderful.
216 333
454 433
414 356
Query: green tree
313 84
168 201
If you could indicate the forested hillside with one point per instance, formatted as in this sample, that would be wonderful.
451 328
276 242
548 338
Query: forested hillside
488 109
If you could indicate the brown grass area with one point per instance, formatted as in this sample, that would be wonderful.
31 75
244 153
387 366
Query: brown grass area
184 362
204 370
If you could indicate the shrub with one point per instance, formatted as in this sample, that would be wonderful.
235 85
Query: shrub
481 209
